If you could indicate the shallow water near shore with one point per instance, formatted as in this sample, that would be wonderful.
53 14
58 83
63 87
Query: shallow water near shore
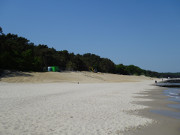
173 95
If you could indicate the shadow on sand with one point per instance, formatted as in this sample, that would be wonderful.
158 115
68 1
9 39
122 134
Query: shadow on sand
7 74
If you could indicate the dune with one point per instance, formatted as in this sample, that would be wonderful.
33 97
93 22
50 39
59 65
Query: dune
82 77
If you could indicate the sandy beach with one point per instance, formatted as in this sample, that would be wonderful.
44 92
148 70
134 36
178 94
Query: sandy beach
100 107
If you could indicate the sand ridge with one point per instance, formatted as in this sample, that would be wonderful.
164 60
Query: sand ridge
82 77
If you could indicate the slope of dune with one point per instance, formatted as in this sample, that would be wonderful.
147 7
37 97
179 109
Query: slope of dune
73 77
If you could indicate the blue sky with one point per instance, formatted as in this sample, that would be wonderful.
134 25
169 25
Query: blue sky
145 33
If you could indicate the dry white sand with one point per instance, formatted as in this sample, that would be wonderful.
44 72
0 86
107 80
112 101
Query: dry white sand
70 108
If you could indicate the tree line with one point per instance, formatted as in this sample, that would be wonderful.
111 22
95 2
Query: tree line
18 53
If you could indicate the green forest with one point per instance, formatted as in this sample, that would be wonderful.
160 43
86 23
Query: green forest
19 54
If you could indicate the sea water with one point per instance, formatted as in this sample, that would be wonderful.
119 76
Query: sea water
173 94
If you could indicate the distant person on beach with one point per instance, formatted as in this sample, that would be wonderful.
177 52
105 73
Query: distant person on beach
155 81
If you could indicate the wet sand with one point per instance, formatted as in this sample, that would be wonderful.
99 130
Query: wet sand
162 125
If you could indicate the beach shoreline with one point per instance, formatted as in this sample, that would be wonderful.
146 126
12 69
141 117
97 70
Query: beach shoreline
163 125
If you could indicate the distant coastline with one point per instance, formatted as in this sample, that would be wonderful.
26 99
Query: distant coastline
169 83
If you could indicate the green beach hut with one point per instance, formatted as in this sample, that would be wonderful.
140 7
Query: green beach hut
53 69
